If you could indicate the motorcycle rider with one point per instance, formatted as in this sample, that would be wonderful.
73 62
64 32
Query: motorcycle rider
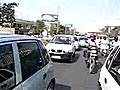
115 42
104 45
98 40
91 42
91 50
93 54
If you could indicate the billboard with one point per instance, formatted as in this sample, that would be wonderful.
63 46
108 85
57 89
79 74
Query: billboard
50 18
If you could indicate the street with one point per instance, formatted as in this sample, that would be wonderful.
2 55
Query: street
75 76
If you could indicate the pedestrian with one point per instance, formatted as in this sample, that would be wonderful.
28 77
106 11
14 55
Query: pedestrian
116 41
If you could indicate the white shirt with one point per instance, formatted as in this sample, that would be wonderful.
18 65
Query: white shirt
104 44
97 42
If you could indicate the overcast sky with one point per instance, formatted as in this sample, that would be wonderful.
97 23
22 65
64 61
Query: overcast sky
80 13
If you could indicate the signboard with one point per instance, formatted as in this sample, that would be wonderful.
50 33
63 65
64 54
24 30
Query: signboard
50 17
68 25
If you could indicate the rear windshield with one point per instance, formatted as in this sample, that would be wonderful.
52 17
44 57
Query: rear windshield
61 40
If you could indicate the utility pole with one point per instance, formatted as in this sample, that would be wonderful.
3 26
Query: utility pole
58 23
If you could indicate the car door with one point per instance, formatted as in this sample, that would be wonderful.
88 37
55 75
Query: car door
106 79
113 78
9 79
48 65
32 66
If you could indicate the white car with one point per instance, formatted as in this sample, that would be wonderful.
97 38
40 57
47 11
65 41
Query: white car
61 47
83 41
109 78
25 64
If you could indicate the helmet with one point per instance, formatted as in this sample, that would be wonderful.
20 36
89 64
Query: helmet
93 37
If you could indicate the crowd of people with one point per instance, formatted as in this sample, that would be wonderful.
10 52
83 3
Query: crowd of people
103 42
98 46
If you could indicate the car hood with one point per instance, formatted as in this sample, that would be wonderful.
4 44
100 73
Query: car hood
64 47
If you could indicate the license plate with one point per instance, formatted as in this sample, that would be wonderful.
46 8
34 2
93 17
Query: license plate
56 57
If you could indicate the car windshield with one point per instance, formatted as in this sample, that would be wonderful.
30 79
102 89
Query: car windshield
83 39
61 40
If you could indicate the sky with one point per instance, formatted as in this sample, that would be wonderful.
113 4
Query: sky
80 13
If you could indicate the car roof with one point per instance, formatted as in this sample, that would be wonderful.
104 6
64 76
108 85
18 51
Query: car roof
83 37
4 38
64 35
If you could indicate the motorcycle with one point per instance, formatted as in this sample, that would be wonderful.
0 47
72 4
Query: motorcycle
91 58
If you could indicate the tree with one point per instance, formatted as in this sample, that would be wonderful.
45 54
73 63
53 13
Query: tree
72 31
53 29
67 31
61 29
40 26
105 30
7 13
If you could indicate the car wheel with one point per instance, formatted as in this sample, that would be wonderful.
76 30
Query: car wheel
92 66
51 86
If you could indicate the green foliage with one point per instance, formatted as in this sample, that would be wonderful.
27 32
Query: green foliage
61 29
72 31
40 24
67 31
7 13
40 27
53 29
45 41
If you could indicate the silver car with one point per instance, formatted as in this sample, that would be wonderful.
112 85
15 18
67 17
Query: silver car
25 64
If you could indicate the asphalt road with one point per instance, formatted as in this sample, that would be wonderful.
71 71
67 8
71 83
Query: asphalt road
75 76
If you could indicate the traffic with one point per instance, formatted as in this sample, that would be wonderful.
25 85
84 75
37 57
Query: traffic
96 46
60 45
